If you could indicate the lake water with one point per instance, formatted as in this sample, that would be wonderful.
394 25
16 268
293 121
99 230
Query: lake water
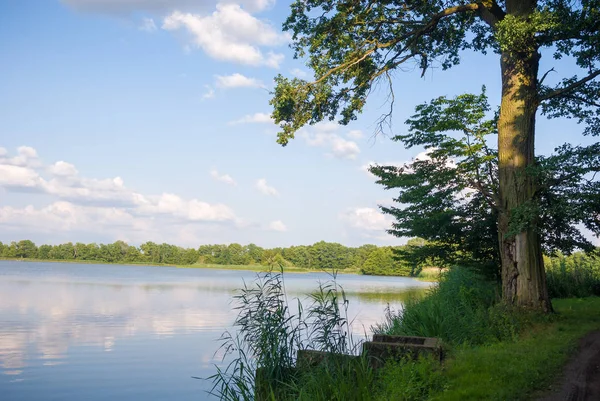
106 332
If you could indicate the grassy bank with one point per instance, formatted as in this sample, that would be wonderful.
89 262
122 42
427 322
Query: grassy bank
493 353
516 369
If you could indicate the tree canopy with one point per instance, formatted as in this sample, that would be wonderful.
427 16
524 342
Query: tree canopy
353 46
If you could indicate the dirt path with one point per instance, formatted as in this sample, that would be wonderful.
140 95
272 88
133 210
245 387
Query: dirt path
580 380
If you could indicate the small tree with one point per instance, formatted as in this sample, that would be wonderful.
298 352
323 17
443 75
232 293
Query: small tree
451 196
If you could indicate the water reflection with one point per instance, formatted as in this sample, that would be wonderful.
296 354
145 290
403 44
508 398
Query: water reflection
53 316
155 327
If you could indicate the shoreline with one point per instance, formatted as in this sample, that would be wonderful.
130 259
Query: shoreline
252 268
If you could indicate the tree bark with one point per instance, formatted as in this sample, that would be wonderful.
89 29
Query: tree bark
523 274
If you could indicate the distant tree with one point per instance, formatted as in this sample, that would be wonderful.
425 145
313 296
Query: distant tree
44 252
254 253
151 252
381 261
26 249
330 256
10 251
362 254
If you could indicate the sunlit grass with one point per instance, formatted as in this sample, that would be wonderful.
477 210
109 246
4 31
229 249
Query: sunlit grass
513 370
431 274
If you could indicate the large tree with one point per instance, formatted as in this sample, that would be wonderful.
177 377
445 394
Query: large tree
450 194
353 44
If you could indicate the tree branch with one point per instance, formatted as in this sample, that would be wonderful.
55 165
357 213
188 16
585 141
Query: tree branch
569 88
491 12
489 5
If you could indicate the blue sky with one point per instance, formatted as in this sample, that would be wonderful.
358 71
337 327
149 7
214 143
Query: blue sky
148 120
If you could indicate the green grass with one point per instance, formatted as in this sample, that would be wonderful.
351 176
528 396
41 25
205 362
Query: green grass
461 309
432 274
577 275
515 370
493 353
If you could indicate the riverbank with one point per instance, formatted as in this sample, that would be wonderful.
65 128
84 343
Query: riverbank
253 268
524 368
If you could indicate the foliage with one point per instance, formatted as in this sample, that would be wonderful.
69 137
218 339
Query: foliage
446 196
450 197
410 380
382 262
269 335
352 47
461 309
577 275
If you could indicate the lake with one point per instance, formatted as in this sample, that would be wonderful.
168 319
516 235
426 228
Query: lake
98 332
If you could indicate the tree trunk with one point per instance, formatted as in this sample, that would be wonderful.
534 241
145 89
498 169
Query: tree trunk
523 274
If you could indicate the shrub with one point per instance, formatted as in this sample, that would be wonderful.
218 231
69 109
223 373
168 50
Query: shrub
572 276
463 308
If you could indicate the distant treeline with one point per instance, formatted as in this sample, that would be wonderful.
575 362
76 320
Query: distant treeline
368 259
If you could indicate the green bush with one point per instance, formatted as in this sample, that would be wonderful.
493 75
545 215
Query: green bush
574 276
462 309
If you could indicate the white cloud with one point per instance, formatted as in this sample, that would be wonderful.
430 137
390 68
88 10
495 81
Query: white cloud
260 118
64 216
63 169
264 188
226 178
26 157
421 156
237 81
366 218
19 177
71 189
209 94
192 210
343 148
355 134
277 225
324 135
147 25
297 72
230 34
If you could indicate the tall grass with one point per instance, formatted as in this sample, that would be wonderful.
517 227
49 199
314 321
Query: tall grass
270 332
572 276
462 309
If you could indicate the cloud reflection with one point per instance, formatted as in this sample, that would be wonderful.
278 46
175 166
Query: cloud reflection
42 320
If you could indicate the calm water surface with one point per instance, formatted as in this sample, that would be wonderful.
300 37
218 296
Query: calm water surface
105 332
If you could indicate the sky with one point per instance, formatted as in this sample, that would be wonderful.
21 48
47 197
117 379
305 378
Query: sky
148 120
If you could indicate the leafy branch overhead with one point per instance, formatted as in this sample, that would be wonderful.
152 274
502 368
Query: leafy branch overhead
352 45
